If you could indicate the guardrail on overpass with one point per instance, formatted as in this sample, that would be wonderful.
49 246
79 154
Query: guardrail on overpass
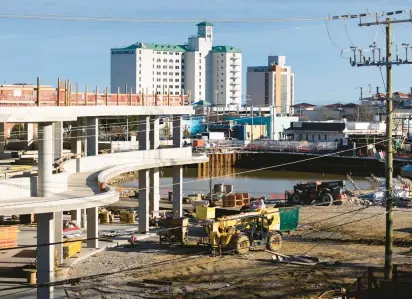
16 95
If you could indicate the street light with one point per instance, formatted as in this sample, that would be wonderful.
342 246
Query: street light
248 98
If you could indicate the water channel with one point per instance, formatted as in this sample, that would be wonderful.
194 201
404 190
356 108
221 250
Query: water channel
257 183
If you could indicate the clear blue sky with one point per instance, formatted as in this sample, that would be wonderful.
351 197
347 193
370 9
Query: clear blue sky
80 51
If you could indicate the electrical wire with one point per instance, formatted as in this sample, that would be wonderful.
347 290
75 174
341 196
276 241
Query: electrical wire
152 20
330 38
203 179
347 34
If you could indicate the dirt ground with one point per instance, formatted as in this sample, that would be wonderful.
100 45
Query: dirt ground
344 251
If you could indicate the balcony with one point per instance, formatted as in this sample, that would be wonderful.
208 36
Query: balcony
234 71
234 77
234 58
234 83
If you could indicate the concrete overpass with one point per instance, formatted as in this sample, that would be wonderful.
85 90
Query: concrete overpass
81 185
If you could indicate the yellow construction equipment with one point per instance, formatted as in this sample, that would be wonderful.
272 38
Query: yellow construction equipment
257 229
19 167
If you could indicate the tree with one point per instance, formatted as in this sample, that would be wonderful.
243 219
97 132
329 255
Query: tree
17 131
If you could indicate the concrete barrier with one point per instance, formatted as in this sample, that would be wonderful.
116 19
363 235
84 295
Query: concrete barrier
103 161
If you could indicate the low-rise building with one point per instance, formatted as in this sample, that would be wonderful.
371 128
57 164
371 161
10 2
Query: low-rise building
333 131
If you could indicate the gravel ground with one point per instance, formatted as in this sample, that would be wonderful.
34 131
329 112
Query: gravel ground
343 256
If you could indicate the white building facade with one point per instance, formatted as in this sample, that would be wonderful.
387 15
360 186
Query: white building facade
272 85
198 69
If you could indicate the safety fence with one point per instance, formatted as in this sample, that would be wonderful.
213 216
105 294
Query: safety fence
274 146
52 97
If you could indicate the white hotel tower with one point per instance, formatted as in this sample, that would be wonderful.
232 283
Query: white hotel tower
199 69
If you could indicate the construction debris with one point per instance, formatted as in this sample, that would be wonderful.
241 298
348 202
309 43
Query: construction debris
158 282
293 259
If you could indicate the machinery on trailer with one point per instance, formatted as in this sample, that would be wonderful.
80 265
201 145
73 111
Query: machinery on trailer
176 230
257 229
328 192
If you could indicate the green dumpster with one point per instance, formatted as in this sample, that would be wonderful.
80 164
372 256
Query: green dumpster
289 218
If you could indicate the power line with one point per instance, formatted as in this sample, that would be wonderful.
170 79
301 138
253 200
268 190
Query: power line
222 176
153 20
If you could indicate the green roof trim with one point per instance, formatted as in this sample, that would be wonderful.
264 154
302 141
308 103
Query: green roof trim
225 49
155 47
204 23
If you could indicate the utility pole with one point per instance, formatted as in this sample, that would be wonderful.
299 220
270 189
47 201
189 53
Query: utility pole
387 62
389 156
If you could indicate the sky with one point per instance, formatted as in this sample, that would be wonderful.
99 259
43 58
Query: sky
80 50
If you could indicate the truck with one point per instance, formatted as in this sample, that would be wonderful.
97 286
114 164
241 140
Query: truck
327 193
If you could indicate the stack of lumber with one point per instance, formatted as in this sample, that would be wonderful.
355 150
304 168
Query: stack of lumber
236 200
25 161
127 217
71 248
8 236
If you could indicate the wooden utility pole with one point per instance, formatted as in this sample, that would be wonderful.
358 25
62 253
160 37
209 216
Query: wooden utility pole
58 91
389 157
38 92
387 62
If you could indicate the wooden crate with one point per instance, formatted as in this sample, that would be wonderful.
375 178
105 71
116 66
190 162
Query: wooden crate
236 200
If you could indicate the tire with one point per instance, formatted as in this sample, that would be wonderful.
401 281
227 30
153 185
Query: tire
295 199
274 241
326 199
242 244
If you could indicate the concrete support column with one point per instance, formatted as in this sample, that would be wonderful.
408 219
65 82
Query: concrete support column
76 142
154 191
92 228
144 190
45 159
58 236
177 191
177 131
76 216
2 138
144 133
154 132
92 136
28 135
83 223
45 254
58 139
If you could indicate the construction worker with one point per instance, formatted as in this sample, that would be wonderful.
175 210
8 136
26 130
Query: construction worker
132 240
